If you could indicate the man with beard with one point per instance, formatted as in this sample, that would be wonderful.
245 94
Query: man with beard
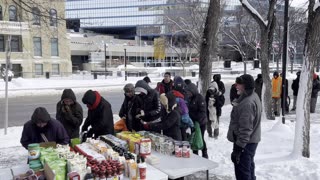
151 107
42 128
130 108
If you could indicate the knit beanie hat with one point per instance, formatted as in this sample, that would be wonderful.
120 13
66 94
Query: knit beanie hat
247 80
89 97
178 83
128 88
40 115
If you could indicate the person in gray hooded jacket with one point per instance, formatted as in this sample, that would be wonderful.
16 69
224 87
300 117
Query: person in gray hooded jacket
245 128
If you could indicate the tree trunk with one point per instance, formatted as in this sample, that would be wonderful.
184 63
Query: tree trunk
209 43
302 134
267 99
267 29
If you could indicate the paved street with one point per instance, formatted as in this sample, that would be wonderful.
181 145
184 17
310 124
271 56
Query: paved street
21 108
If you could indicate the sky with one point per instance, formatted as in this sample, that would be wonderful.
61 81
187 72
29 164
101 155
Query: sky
273 157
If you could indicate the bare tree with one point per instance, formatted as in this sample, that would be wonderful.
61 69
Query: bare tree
209 45
242 36
266 39
312 40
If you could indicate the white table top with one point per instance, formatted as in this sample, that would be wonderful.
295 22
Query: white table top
179 167
153 174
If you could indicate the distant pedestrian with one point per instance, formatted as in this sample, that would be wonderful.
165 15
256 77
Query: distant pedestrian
258 85
100 116
166 84
70 113
314 93
295 89
42 128
286 93
245 128
276 93
217 79
233 94
187 81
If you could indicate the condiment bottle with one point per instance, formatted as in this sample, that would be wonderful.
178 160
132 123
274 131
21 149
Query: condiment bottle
142 169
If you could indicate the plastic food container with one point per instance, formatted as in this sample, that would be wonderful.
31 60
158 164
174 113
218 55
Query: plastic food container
33 151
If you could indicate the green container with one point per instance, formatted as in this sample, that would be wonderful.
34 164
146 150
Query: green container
35 165
33 151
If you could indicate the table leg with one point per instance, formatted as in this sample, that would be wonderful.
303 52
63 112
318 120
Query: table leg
207 174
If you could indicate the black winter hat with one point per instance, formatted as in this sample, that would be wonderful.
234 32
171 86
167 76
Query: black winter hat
89 97
40 115
147 79
276 73
247 80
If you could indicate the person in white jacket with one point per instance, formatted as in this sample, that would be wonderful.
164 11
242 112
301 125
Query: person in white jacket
213 122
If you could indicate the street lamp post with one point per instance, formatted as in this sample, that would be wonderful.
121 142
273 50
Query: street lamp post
125 64
105 60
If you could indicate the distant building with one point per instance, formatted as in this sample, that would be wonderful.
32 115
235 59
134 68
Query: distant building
128 19
39 44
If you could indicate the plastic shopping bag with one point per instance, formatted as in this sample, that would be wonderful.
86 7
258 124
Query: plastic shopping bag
196 138
120 126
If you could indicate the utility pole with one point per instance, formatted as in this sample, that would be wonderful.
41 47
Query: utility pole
284 59
125 64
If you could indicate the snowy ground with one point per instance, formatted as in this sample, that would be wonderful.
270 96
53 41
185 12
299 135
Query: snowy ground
273 160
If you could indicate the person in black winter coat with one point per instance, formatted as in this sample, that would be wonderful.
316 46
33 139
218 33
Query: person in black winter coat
70 113
314 93
258 85
197 111
130 107
42 128
286 98
151 107
170 118
295 89
233 94
217 79
100 116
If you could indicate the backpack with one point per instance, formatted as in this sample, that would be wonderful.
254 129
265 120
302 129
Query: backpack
186 121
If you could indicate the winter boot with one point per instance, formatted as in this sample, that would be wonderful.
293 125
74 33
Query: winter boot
205 154
216 133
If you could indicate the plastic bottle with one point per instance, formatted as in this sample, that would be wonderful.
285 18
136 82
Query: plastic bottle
142 169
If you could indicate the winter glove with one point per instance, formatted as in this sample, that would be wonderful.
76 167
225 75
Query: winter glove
236 153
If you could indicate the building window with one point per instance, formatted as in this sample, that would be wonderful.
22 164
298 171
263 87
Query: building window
36 16
54 47
2 47
38 69
16 44
13 16
53 17
37 48
55 69
1 13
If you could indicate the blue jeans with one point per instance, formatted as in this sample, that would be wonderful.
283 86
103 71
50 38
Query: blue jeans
245 169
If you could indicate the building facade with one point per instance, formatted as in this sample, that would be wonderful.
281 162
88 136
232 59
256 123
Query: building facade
128 19
38 39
